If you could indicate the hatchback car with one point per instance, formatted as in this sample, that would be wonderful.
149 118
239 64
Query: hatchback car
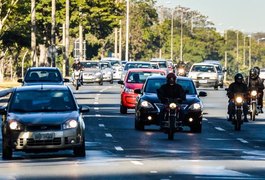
107 71
134 79
42 118
135 65
117 66
92 72
43 75
148 106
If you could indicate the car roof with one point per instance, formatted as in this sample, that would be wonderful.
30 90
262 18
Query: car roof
145 69
43 68
138 62
39 87
212 64
164 77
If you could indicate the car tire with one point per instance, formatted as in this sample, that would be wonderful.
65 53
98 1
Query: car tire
123 109
81 150
215 87
100 83
138 125
111 82
7 152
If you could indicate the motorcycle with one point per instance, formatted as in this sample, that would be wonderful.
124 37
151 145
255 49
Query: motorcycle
77 78
171 122
254 109
181 71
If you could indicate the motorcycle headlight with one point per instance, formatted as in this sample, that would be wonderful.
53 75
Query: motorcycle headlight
239 99
181 70
196 106
128 90
70 124
98 73
254 93
172 105
15 125
146 104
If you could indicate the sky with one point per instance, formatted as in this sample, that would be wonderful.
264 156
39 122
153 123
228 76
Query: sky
247 16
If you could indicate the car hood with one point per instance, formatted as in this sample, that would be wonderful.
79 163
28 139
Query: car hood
202 74
152 98
91 70
44 117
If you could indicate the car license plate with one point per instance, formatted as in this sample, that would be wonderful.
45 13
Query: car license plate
43 136
203 81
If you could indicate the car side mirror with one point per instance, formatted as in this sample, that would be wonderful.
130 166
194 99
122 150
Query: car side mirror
121 82
202 94
66 80
138 91
84 108
20 80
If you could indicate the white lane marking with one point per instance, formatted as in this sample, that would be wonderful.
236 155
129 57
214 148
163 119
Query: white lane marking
118 148
217 139
204 119
137 163
96 108
219 128
95 102
108 135
153 172
98 115
98 94
242 140
101 125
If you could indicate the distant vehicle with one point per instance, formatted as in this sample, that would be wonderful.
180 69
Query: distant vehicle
147 110
107 71
163 64
220 71
42 118
135 65
262 73
92 72
117 66
43 75
134 79
155 65
204 74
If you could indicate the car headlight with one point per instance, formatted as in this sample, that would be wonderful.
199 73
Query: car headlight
98 73
196 106
172 105
70 124
146 104
15 125
128 90
239 99
254 93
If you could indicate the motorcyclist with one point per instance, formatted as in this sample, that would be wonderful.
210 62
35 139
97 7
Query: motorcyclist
255 82
170 90
181 68
77 66
237 87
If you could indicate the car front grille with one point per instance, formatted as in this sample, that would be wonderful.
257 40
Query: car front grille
203 78
32 142
43 127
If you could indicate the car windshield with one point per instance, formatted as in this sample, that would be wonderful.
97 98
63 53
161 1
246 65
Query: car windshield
115 63
153 84
140 77
90 64
105 65
162 64
42 101
137 65
203 68
43 75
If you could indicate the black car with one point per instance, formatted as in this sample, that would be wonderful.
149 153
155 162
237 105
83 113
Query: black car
42 118
43 75
147 110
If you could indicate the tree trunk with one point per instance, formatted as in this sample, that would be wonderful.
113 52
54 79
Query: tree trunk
43 56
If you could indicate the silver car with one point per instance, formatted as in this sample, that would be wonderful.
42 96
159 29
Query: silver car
107 71
92 72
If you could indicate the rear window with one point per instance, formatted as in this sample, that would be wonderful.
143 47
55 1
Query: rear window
43 75
140 77
137 65
90 64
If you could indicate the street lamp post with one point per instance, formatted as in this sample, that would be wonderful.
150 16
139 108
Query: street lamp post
171 41
249 54
127 30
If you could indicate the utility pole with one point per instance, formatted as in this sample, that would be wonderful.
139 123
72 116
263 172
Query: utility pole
67 22
181 37
127 30
249 54
116 39
33 32
171 38
53 33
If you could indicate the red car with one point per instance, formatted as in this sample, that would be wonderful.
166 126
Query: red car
134 79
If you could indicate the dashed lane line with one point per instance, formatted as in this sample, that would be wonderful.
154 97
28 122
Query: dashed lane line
108 135
138 163
101 125
118 148
242 140
219 128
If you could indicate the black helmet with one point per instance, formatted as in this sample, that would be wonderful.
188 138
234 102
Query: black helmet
258 69
239 78
171 78
253 73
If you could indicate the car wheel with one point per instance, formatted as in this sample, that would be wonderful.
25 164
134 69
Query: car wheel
111 82
196 128
138 125
123 109
80 151
100 83
7 152
215 87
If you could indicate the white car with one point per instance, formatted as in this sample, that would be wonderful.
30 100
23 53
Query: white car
262 73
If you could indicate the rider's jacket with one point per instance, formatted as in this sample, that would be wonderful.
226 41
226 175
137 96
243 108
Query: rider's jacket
77 66
170 91
256 83
236 88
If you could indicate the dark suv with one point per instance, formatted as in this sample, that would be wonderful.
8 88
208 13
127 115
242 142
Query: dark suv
43 75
